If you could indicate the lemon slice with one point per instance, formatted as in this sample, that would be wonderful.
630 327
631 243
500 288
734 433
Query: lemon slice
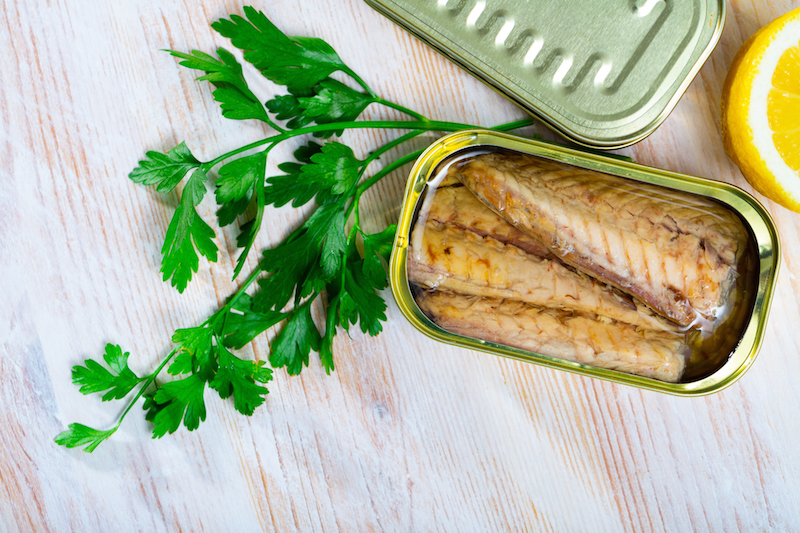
761 110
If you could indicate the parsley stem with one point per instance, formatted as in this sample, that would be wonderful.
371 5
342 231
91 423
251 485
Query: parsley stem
361 82
147 383
514 125
149 380
232 301
388 169
414 155
402 109
422 125
369 159
245 285
347 247
272 124
388 146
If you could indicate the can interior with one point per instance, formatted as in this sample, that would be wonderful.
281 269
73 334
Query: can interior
709 350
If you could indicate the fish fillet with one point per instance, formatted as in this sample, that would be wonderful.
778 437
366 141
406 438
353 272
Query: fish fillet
451 258
457 206
675 251
562 334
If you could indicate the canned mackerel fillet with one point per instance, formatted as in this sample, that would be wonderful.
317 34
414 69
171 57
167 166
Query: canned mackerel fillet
584 262
605 74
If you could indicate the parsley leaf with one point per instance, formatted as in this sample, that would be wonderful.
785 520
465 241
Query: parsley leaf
238 377
377 248
236 185
358 301
297 62
295 341
196 343
182 364
96 378
319 242
236 99
326 344
243 323
335 242
249 230
333 169
247 237
180 259
228 213
290 187
176 401
353 296
290 263
287 107
332 101
323 171
165 171
80 435
239 180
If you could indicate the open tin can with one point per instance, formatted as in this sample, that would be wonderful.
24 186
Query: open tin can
605 74
707 370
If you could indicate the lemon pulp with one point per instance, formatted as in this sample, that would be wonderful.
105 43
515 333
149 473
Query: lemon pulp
783 107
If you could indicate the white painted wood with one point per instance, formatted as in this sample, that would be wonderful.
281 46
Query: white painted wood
407 434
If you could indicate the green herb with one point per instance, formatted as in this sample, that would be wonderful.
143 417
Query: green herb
320 257
94 377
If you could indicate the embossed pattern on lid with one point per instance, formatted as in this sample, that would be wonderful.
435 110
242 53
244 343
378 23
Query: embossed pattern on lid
603 73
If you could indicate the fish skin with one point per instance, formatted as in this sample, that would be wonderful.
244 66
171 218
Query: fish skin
457 206
562 334
675 251
451 258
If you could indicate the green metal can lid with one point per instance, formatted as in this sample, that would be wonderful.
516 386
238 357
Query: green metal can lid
603 73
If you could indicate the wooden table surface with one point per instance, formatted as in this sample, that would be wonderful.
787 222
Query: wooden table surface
406 434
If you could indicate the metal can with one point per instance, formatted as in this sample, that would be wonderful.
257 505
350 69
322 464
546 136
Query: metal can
744 340
604 74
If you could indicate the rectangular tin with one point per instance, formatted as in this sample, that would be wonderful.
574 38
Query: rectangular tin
603 73
764 236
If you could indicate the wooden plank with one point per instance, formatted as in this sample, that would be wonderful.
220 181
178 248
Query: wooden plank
406 434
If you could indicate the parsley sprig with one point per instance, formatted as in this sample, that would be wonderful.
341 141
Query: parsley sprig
319 262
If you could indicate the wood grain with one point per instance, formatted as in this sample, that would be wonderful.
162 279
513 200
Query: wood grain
406 434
